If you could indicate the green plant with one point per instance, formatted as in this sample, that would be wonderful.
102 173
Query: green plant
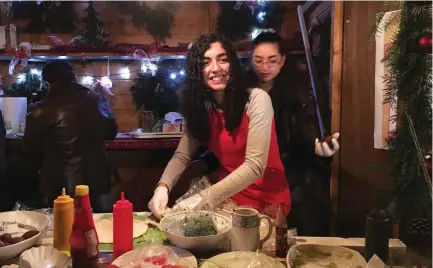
408 85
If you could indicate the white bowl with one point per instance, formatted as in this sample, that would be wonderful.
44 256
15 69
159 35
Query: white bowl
317 256
29 218
199 243
43 257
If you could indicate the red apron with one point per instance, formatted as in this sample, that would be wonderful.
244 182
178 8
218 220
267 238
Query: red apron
271 189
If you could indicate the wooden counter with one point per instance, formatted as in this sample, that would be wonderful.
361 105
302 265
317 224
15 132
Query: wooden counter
123 142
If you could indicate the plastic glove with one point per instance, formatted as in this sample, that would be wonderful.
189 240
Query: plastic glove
322 148
195 202
158 203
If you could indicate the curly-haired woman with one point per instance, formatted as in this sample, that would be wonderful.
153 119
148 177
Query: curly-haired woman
236 123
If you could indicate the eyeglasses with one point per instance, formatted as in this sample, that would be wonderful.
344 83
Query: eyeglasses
271 64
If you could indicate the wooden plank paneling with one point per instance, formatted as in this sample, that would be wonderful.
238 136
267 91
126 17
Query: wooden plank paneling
335 85
360 177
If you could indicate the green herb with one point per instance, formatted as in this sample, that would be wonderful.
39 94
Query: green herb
198 226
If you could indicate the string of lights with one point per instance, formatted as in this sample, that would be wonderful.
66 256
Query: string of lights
125 74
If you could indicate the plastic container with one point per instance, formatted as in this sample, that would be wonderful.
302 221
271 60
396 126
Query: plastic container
84 239
122 226
63 216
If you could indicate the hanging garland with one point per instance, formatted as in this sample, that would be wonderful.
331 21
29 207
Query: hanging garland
408 86
29 85
156 87
45 16
157 21
243 18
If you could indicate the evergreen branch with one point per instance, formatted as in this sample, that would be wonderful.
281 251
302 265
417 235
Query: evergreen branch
419 153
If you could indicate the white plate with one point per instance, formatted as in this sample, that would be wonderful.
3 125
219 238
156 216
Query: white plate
242 259
319 256
136 254
30 218
45 256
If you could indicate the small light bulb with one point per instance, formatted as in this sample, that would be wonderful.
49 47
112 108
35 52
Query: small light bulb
106 82
36 72
21 78
261 16
124 73
255 33
153 68
62 57
87 80
182 72
173 76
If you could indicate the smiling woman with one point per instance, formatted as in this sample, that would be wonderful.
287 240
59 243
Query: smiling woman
236 123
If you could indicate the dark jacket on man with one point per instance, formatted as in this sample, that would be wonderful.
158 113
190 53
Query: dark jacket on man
64 134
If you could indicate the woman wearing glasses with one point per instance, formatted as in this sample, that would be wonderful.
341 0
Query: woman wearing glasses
306 160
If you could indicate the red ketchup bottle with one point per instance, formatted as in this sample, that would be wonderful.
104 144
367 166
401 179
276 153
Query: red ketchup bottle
122 226
84 239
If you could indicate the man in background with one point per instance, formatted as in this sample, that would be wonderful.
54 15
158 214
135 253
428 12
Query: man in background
64 136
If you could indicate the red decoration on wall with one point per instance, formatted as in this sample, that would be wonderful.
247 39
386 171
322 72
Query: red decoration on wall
425 43
21 53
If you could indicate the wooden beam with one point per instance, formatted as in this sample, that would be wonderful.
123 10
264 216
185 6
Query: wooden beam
335 85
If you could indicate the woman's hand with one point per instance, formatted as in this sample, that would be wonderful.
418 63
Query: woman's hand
323 149
158 203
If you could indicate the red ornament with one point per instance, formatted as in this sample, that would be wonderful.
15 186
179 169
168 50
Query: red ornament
428 164
425 43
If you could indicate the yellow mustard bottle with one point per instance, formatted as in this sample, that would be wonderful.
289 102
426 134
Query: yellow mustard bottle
63 214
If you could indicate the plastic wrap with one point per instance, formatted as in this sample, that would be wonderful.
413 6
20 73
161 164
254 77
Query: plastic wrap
157 256
46 211
196 198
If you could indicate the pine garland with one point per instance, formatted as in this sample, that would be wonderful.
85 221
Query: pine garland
238 24
33 88
157 21
408 85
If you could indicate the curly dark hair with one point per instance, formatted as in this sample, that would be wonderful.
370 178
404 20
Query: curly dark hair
196 96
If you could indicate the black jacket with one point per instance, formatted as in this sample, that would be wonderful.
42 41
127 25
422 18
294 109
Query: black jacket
64 135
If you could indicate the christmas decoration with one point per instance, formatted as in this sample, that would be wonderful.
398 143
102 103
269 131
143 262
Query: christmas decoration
238 21
93 33
420 232
83 62
158 93
29 85
157 21
408 85
46 17
21 53
425 43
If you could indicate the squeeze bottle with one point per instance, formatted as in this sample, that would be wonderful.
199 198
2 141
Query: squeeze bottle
122 226
63 216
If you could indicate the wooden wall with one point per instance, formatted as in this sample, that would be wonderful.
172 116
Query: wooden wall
191 20
363 169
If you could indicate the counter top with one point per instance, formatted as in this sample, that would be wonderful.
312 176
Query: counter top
122 142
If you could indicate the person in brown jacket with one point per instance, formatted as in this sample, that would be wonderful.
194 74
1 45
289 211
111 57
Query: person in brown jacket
64 135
